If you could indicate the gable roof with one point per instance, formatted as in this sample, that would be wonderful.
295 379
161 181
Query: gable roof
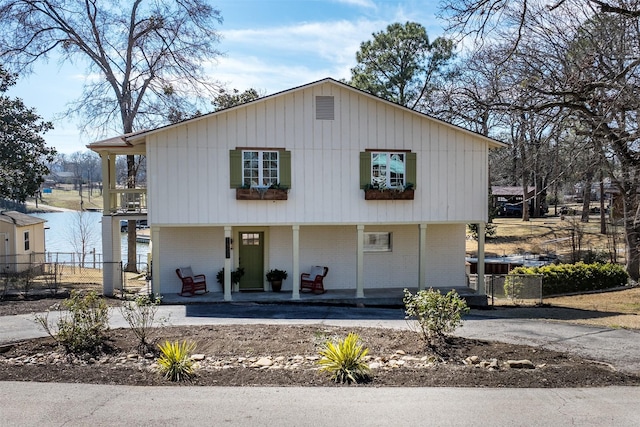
139 137
19 219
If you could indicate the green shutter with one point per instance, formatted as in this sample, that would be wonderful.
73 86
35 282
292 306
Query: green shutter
411 169
235 168
365 169
285 168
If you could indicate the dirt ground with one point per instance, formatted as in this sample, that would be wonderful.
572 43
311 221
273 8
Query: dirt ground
258 355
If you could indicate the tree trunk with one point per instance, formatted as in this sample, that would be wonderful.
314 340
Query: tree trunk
586 201
632 232
132 231
603 223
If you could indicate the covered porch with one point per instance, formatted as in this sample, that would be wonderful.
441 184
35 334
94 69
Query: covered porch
418 256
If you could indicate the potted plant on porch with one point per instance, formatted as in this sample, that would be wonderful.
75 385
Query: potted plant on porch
236 275
275 278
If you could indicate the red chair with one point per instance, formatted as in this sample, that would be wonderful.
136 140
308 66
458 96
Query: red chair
312 282
191 284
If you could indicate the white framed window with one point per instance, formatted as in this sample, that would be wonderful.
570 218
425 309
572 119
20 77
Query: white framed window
260 168
26 241
388 169
377 241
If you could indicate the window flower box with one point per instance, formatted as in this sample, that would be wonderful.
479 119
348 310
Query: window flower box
261 194
388 194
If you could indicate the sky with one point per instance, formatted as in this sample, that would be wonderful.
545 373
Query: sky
269 45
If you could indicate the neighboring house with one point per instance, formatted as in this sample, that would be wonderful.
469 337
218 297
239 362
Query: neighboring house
64 177
21 238
320 147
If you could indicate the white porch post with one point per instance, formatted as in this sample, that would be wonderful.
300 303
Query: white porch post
155 257
422 257
360 263
481 290
295 245
111 252
227 268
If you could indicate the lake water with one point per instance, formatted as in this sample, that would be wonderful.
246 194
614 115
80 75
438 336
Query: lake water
62 230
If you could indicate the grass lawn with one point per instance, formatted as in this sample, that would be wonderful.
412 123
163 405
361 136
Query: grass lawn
551 235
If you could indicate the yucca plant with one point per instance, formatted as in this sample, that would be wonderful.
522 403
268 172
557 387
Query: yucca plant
344 360
175 362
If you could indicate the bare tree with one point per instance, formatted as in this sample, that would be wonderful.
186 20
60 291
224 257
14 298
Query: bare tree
150 56
82 235
580 58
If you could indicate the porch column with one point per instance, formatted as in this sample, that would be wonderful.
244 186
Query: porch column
360 263
108 270
112 255
481 290
155 257
295 248
422 257
227 267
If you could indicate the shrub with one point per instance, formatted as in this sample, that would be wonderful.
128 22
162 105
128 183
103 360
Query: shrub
140 315
175 361
435 314
490 230
83 327
344 360
513 287
580 277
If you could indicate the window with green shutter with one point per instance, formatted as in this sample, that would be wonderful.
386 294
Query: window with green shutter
387 169
259 168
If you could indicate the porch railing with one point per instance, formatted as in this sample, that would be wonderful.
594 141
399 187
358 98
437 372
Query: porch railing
128 200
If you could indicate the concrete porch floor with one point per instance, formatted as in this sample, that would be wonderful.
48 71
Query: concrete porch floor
384 297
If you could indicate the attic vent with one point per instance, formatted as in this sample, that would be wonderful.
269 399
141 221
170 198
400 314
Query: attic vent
324 108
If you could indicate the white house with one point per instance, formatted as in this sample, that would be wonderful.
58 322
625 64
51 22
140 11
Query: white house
21 238
209 205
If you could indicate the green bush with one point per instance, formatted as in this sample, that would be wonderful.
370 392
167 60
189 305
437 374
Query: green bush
580 277
175 361
140 315
83 327
435 314
513 287
344 360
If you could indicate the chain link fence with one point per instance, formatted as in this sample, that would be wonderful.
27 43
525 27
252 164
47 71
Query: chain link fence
52 274
510 289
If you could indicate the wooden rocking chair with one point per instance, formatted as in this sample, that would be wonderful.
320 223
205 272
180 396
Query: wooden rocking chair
312 282
191 284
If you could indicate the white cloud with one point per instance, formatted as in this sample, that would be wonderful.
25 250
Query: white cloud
282 57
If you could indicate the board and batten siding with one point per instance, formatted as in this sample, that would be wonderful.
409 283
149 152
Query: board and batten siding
188 164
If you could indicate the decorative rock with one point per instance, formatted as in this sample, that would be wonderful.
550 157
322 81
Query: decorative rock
374 365
198 357
264 361
401 352
520 364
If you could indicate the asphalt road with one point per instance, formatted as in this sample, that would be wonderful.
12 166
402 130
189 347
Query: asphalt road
38 404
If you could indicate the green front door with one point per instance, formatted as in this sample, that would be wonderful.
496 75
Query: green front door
251 258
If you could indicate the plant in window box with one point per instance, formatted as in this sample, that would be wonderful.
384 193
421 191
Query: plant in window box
272 192
275 278
236 275
381 192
